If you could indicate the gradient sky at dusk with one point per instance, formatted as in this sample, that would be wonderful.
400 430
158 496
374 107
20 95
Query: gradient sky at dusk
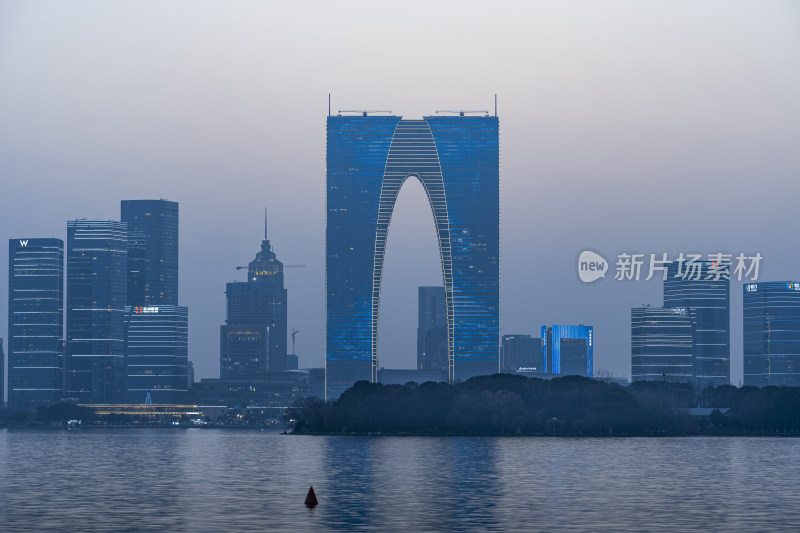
661 126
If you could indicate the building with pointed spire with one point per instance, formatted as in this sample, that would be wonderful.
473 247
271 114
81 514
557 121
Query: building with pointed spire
253 338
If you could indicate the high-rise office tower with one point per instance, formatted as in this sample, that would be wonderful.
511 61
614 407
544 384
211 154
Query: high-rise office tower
253 339
97 283
35 322
432 329
662 343
153 256
156 334
156 327
695 285
521 351
156 353
456 159
771 319
568 350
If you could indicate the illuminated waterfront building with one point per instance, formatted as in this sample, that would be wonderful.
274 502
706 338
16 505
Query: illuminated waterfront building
152 251
35 322
771 320
156 353
97 261
456 159
253 339
568 350
156 328
709 299
662 343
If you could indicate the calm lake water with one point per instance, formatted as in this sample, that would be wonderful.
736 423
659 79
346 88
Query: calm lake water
220 481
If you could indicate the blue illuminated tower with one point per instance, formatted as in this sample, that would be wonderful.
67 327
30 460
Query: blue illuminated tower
568 350
456 159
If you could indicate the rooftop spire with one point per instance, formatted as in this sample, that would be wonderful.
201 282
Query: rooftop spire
265 223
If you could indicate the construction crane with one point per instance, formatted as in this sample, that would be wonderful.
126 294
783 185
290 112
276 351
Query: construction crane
461 112
294 344
363 111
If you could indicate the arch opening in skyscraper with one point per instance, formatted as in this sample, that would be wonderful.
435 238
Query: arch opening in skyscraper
456 159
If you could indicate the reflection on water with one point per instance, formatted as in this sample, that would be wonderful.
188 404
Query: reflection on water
214 480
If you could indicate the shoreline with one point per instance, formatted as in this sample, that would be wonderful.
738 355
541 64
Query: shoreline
280 431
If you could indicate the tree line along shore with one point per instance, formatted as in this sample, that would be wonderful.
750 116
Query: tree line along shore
505 404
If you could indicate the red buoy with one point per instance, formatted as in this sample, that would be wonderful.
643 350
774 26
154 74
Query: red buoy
311 498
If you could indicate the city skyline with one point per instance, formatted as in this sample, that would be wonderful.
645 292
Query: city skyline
596 141
524 251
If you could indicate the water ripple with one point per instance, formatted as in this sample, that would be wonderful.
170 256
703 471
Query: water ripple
214 480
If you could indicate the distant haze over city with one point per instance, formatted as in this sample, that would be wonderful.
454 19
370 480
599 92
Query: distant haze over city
658 127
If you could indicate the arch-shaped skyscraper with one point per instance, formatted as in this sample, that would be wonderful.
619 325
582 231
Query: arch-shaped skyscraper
456 158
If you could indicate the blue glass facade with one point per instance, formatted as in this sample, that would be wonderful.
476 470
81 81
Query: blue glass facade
710 302
156 353
568 350
35 322
97 284
153 251
456 159
662 343
771 320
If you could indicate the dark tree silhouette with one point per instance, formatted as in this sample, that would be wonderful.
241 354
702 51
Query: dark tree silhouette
506 404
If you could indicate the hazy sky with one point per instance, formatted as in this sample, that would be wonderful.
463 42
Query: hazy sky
624 126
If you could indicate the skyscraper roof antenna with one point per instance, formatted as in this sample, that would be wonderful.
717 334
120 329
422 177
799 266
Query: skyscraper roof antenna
495 104
265 223
329 104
